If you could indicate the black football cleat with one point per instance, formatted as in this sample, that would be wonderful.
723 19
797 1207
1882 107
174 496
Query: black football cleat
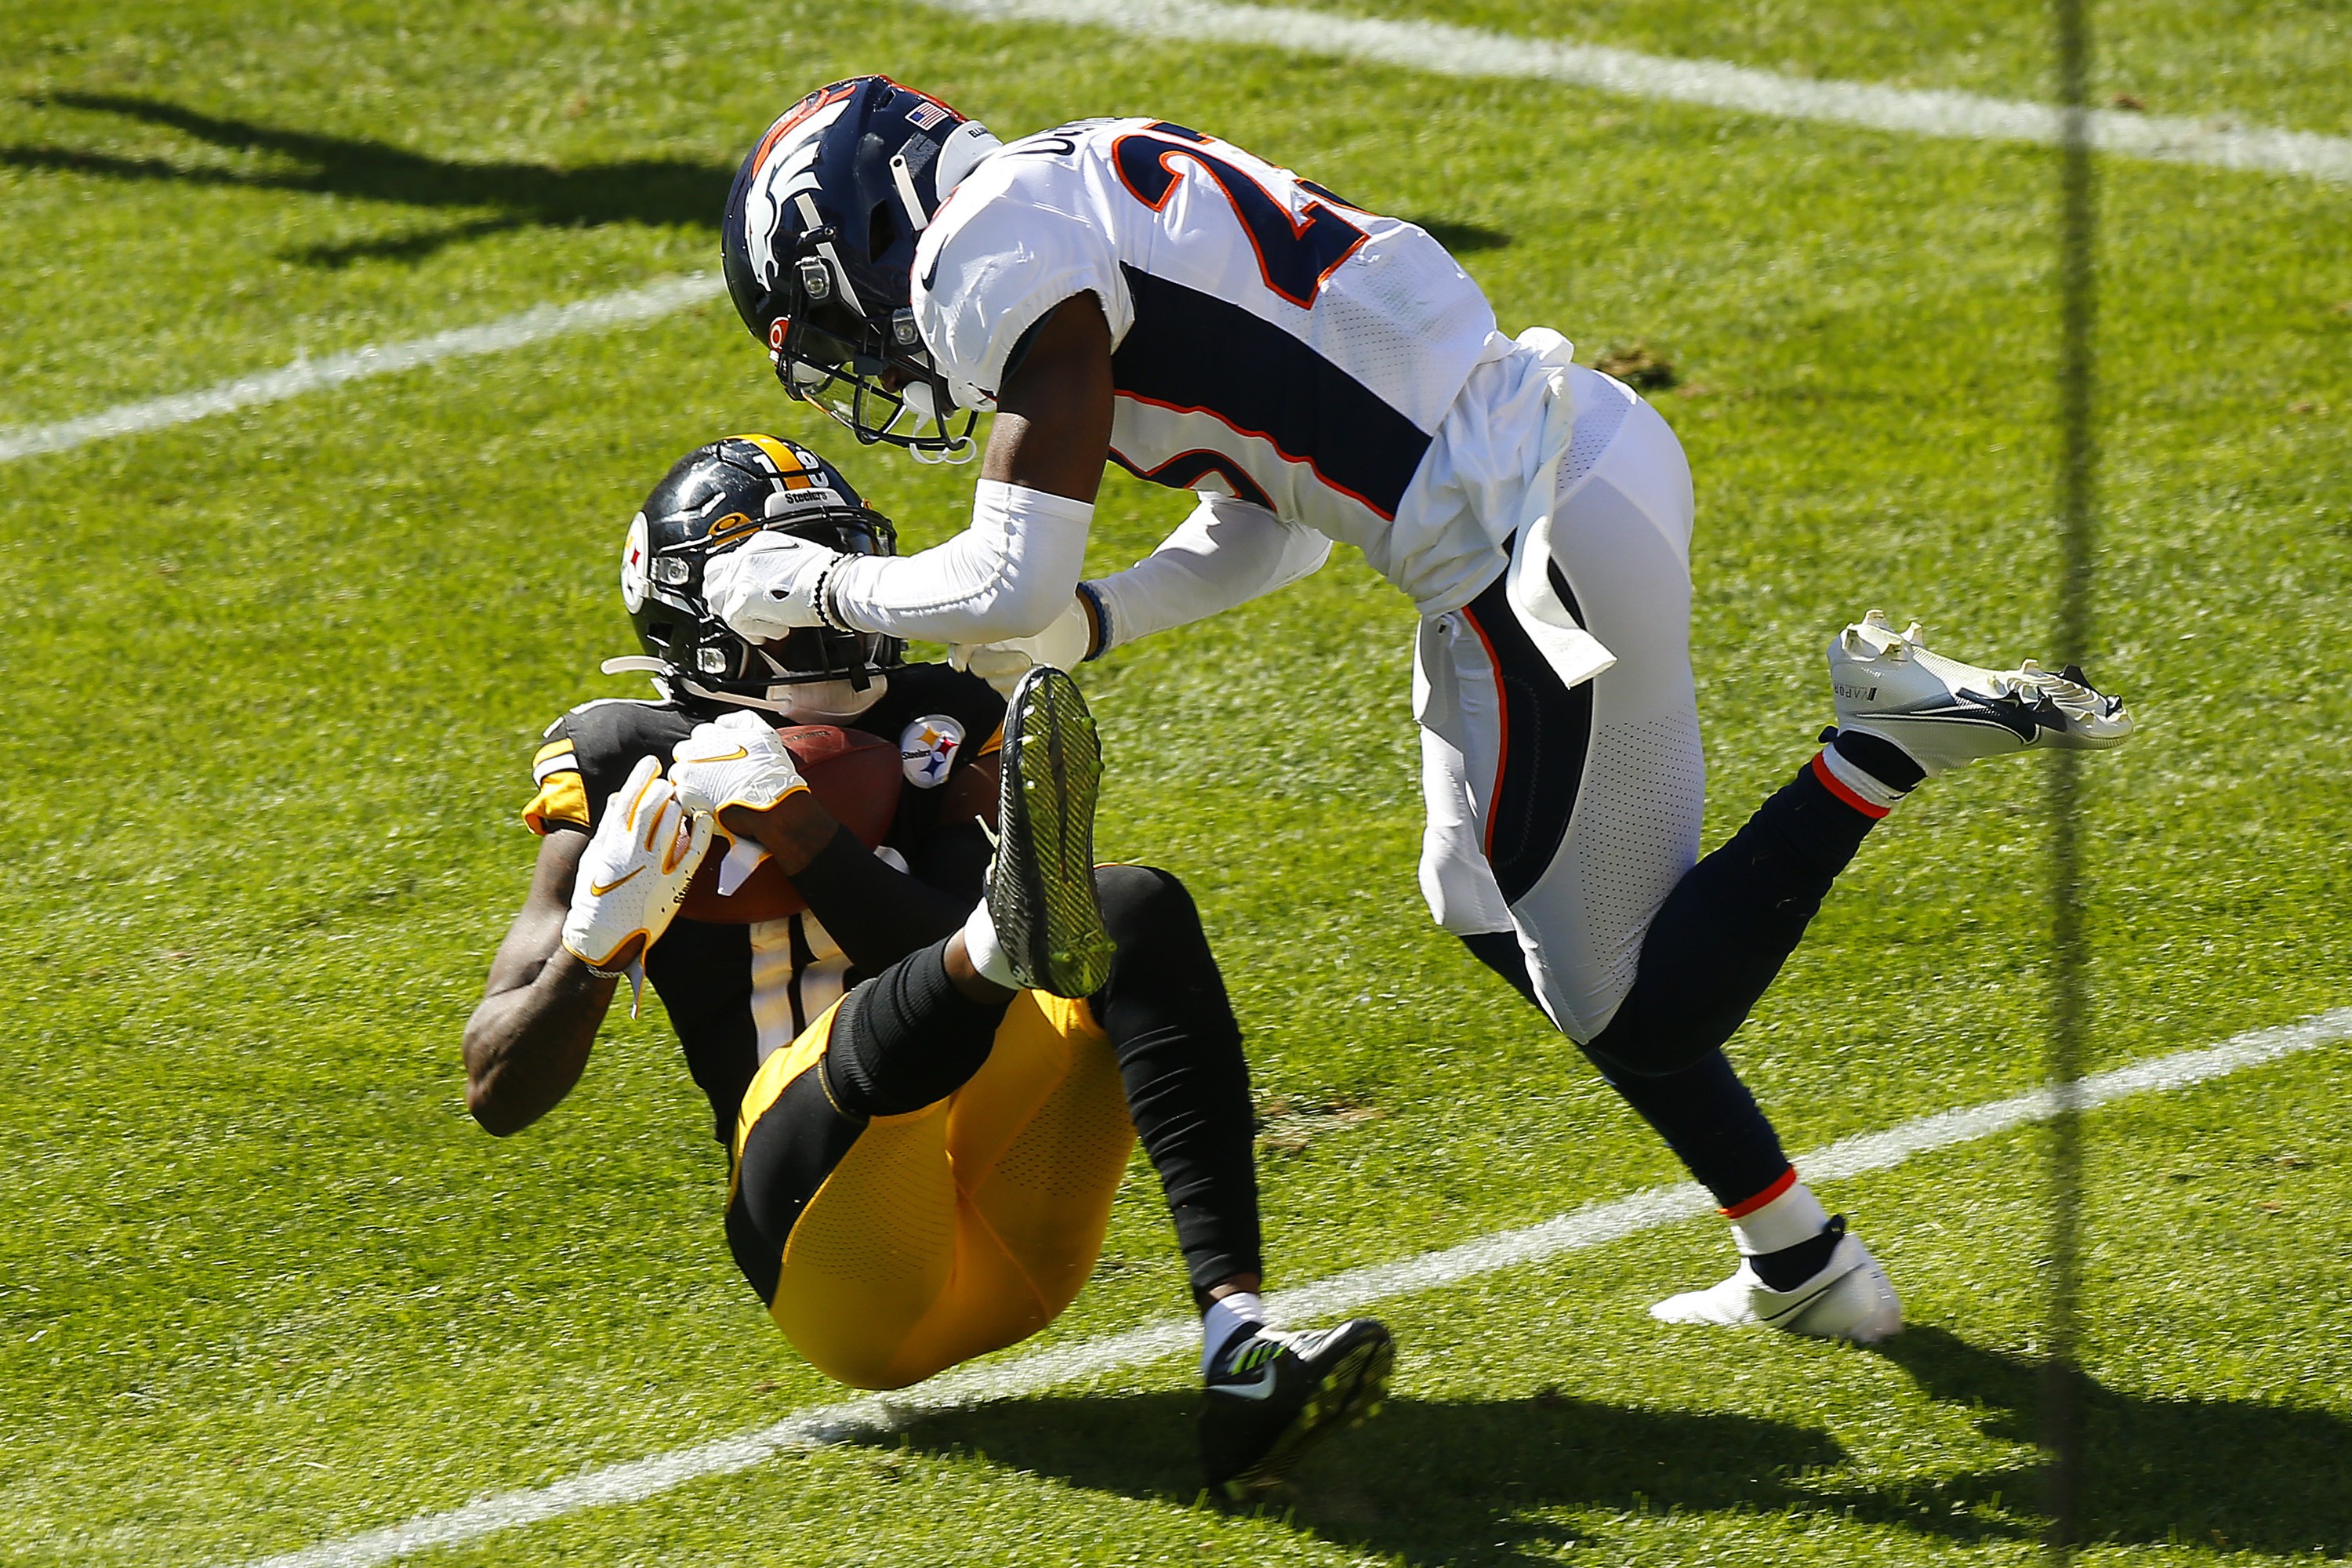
1273 1396
1041 885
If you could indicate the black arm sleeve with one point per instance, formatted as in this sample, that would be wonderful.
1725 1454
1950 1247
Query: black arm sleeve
955 859
877 914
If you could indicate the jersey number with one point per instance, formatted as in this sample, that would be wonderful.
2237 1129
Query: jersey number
1296 255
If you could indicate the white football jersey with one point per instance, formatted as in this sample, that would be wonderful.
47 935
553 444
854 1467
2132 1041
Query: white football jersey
1271 343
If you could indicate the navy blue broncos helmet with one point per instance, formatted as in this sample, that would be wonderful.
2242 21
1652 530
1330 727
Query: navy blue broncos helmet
710 502
819 244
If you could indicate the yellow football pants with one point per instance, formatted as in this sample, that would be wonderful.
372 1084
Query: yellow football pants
954 1230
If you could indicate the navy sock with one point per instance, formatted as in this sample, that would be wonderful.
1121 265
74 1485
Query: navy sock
1885 761
1705 1113
1710 1121
1723 933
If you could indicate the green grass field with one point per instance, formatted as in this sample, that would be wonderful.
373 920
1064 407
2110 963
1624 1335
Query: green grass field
273 681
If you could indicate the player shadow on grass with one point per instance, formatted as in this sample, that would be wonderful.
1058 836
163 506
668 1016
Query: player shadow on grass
1427 1482
2250 1476
524 195
1433 1482
518 195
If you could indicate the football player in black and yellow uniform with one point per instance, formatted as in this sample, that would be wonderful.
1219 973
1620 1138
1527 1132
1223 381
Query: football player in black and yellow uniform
929 1098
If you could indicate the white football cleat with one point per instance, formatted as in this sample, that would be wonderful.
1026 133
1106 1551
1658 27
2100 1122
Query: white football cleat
1943 713
1850 1299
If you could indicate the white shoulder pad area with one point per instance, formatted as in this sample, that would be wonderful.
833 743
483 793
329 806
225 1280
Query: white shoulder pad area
1024 232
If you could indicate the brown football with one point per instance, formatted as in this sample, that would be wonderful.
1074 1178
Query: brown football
853 774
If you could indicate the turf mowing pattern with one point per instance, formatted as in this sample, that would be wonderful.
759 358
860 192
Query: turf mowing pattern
275 678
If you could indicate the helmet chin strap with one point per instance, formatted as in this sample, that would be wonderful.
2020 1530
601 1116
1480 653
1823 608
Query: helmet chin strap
801 712
849 702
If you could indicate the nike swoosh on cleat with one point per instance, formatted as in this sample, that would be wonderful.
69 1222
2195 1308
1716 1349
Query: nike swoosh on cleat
1259 1387
2009 713
1801 1302
596 891
2013 714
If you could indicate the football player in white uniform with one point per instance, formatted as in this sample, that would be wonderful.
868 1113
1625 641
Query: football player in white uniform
1133 290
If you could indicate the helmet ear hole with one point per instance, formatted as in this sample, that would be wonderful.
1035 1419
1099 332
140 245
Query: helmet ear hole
881 232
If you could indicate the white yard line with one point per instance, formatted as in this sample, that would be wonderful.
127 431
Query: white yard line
1432 46
1342 1293
1447 50
606 310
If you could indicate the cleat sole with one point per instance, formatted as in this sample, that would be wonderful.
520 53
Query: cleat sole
1041 888
1349 1394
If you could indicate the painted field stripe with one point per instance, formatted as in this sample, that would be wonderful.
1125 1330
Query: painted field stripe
1435 47
1345 1293
1448 50
602 312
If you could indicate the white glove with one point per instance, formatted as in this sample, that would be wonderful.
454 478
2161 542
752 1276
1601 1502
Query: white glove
634 874
735 760
768 585
1063 644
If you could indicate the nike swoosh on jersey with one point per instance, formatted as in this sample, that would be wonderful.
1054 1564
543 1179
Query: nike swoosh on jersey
594 892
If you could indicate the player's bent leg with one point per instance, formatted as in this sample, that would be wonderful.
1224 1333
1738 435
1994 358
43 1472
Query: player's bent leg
1714 946
908 1038
842 1209
1268 1396
1706 1115
1187 1082
1651 1007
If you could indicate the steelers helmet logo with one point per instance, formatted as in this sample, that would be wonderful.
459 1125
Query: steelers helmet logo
927 748
634 554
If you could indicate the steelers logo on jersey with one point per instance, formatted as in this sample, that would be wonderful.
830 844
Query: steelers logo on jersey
927 748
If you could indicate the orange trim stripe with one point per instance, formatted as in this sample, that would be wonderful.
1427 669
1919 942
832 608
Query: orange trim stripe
1741 1211
1837 787
1503 721
798 112
1326 481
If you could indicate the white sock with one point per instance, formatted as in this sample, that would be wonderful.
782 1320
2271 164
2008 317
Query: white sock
1795 1217
1226 1316
987 954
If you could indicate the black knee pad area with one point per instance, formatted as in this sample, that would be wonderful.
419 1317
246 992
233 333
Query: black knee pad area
1144 903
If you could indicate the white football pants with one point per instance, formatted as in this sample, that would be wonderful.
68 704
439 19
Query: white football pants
1567 813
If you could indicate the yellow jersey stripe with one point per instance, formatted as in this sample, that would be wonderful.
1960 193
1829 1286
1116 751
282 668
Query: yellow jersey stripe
562 798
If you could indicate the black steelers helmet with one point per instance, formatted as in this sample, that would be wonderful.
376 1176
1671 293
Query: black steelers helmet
711 500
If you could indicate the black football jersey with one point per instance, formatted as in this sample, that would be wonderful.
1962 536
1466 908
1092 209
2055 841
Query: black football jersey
737 993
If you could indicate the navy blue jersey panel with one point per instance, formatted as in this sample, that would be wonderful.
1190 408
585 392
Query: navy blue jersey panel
1191 350
1547 727
1185 470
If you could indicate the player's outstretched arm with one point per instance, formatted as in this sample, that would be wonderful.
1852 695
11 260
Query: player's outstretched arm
1053 419
1013 572
527 1042
596 905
